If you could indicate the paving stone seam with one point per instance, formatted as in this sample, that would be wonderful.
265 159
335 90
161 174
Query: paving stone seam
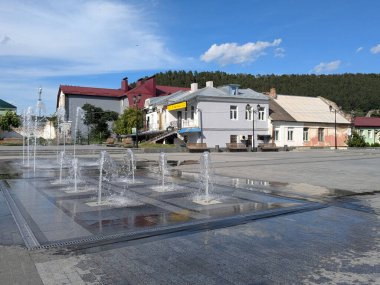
27 234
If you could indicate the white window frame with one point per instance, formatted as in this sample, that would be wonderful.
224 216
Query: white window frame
370 134
277 135
290 134
233 112
248 115
261 114
305 134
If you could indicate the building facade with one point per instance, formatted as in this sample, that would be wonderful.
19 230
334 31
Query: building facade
299 121
210 115
71 97
5 107
368 128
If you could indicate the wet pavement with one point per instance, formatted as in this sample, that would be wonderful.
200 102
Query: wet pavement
337 243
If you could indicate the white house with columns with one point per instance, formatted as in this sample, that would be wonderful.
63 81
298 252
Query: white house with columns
215 116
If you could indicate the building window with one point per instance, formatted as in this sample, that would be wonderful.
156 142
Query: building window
370 134
248 115
290 134
233 138
276 135
233 112
186 113
192 113
306 134
321 134
361 132
261 114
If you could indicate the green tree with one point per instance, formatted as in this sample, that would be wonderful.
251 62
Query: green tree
9 120
356 140
128 120
97 120
359 92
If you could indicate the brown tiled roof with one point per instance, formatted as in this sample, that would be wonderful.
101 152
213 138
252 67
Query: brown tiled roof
277 113
366 122
77 90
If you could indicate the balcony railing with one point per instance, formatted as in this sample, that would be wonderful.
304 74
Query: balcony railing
179 124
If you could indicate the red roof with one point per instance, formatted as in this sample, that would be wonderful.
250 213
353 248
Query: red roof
106 92
147 88
367 122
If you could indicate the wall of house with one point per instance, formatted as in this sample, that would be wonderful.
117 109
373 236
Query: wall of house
218 127
329 135
365 132
74 101
283 128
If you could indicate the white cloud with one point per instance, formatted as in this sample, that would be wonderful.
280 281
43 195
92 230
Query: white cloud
359 49
375 49
279 52
233 53
326 67
45 38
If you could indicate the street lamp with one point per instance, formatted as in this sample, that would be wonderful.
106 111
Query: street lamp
332 109
136 101
249 108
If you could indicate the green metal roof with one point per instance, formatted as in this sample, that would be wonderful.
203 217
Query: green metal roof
6 105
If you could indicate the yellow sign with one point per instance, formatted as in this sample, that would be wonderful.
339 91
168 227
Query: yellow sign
177 106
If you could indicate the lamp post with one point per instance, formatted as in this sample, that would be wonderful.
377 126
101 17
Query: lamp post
136 100
331 110
249 108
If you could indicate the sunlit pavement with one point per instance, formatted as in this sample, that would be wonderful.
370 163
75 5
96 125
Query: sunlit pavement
338 243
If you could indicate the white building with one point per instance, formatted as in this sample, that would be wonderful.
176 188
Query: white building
210 115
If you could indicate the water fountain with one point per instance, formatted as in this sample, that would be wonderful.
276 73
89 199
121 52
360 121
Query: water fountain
131 164
205 196
40 110
61 113
23 132
106 171
75 169
78 118
163 170
62 162
28 128
124 199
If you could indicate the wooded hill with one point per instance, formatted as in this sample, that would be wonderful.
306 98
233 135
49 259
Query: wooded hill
358 92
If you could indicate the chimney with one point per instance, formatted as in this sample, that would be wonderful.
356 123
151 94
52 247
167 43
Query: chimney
124 84
209 84
139 82
150 83
194 87
273 93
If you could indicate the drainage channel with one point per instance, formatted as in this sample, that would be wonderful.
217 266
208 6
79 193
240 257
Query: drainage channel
27 234
207 224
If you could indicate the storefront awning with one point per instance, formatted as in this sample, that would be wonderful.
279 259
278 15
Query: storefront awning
189 130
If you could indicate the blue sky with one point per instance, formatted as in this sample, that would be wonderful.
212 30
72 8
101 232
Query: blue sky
97 43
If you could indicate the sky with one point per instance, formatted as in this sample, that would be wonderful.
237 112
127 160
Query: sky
96 43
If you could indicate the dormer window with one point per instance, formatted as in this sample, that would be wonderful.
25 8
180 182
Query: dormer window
234 89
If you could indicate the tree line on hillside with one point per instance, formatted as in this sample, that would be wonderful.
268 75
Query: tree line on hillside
354 92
